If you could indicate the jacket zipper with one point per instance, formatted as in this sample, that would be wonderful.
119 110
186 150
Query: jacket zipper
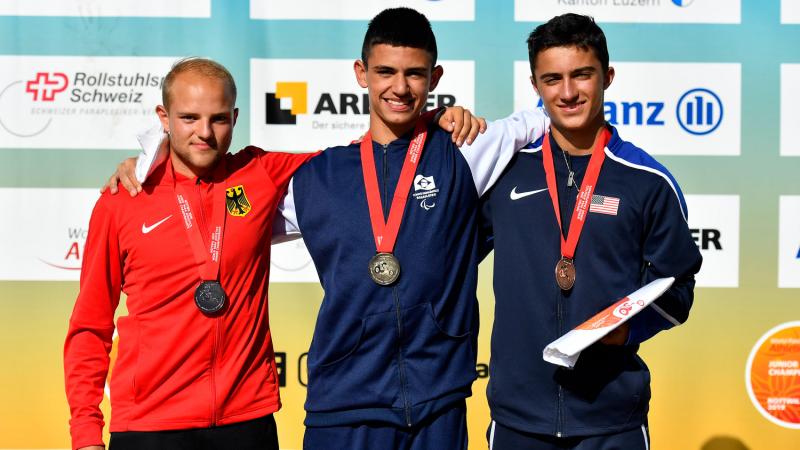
399 314
202 224
560 313
560 404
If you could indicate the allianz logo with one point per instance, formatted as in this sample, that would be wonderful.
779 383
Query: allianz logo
698 111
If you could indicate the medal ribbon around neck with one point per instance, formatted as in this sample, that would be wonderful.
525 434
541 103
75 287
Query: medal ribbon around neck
208 259
385 233
584 199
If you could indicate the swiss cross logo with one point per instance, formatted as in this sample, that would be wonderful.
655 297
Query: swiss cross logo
46 85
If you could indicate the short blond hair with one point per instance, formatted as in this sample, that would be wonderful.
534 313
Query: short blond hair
200 66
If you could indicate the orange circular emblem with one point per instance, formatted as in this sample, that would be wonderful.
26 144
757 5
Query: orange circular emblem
773 375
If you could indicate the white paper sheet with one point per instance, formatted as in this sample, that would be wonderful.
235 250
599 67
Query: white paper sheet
565 350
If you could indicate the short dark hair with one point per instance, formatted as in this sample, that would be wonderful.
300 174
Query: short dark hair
200 66
568 30
400 27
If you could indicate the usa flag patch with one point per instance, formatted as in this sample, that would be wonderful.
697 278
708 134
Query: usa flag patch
604 205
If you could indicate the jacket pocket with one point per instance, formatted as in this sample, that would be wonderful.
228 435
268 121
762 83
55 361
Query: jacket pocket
608 378
437 363
363 375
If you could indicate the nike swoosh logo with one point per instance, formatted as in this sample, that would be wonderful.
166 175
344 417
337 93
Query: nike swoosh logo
146 229
518 195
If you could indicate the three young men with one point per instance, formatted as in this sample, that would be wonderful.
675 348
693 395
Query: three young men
557 261
393 352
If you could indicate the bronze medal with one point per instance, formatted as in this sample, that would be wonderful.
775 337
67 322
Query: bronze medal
209 297
565 274
565 268
384 269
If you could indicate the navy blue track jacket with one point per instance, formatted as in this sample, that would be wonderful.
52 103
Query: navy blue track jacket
397 354
644 238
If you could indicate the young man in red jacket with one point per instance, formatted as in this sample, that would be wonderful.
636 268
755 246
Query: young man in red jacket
192 255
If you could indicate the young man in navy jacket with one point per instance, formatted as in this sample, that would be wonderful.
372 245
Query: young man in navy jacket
553 270
393 357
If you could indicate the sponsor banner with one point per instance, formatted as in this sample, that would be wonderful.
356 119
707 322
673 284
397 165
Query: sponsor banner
635 11
714 224
78 102
309 104
773 375
45 239
290 262
434 10
116 8
790 116
666 108
789 242
790 11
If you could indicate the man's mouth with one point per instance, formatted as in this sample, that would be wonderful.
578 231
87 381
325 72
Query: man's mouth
398 105
202 146
571 107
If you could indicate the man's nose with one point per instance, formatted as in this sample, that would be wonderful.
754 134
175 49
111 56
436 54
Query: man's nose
400 85
569 91
203 129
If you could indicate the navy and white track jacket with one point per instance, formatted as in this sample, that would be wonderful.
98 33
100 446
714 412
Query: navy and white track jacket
620 250
397 354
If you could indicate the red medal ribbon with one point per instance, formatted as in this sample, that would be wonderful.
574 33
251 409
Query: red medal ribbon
208 259
385 233
584 199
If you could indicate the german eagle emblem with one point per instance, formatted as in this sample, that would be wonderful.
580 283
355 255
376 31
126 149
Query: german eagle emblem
236 201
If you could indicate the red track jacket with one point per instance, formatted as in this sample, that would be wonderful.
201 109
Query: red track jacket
176 367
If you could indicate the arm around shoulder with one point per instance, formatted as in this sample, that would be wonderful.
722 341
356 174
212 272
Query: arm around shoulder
491 152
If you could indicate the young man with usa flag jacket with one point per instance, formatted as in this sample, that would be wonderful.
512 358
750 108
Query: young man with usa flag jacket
557 264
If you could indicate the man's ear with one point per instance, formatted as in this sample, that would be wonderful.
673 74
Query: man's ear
360 69
533 83
608 78
235 115
436 75
163 116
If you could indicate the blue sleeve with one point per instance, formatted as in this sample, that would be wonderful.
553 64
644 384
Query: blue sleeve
669 251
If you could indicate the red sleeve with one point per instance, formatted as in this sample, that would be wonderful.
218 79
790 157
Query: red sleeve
91 328
280 166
